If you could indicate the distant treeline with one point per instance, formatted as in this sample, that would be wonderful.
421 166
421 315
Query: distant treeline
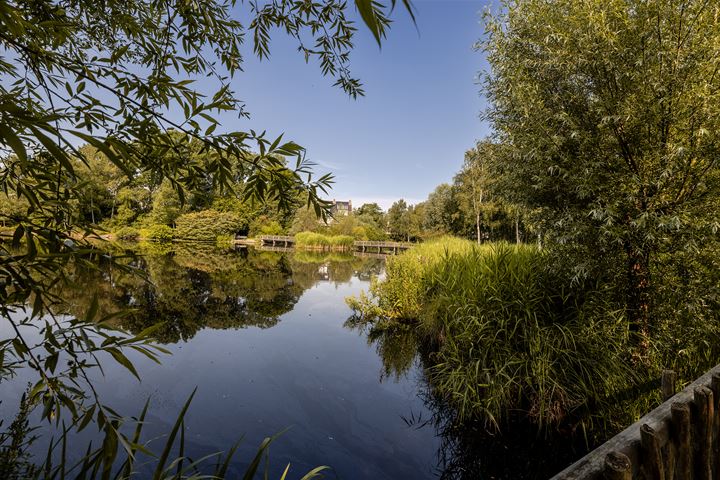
142 204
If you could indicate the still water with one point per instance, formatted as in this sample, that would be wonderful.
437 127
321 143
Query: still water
265 339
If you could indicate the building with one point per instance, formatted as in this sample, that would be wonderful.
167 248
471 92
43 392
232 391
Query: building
341 209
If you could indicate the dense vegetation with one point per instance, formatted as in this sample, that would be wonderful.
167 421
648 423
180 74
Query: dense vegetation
604 147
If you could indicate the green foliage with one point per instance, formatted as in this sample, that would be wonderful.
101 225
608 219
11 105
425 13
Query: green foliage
272 228
166 205
608 114
401 294
371 213
158 233
318 240
127 233
508 335
206 225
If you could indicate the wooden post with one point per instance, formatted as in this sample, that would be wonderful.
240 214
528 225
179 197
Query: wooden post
715 387
704 406
652 458
680 430
669 378
617 467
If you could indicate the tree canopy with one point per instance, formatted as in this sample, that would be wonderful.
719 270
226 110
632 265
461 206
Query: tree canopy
608 115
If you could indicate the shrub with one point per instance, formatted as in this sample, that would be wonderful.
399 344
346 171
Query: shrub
207 225
159 233
127 233
272 228
343 241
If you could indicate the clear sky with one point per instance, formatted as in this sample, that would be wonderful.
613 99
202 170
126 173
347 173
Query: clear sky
409 133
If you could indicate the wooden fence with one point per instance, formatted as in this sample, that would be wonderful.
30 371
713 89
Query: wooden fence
680 439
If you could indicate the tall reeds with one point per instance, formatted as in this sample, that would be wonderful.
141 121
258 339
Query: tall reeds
509 336
313 240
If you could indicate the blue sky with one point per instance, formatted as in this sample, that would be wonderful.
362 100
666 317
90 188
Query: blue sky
410 131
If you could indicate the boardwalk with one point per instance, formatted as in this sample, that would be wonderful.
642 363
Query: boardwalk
276 240
380 247
364 246
680 439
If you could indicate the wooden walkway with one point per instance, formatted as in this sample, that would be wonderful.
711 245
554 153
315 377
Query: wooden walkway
680 439
364 246
380 247
276 240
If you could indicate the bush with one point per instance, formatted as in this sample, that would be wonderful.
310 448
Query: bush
158 233
207 225
127 233
272 228
343 241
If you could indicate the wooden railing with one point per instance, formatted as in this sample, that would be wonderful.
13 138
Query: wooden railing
276 239
379 244
360 245
680 439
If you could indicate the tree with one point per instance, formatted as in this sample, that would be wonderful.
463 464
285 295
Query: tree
371 212
398 220
473 183
166 205
609 114
438 210
134 80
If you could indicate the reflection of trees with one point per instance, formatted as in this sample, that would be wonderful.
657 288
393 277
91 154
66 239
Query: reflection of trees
335 267
468 450
190 287
395 343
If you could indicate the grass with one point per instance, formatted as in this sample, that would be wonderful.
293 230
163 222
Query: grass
408 277
313 240
508 337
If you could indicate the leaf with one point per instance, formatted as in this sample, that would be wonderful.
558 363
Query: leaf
122 360
14 141
171 438
92 311
370 17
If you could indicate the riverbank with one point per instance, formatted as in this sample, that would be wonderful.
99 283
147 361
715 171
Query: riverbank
512 338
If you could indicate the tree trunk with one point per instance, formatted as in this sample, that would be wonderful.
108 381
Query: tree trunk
477 226
638 294
517 228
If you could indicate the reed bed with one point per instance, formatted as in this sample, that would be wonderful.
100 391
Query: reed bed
313 240
508 336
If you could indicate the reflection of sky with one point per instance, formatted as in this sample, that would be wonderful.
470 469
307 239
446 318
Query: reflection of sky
308 372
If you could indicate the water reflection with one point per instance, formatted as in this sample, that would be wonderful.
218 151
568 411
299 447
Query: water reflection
190 287
467 449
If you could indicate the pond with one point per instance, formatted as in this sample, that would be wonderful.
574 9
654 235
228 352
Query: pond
269 343
265 339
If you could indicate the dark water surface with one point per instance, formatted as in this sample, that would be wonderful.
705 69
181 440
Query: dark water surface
265 338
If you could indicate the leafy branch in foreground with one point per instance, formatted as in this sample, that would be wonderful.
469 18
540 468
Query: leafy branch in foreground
139 82
118 457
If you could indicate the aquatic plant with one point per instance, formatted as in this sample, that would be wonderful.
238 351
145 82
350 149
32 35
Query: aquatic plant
508 335
318 240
